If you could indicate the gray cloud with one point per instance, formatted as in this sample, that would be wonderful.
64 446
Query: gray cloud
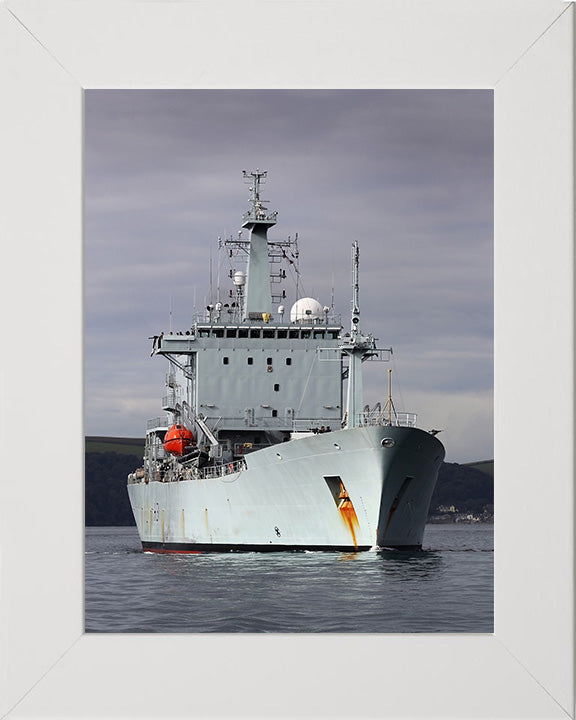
409 174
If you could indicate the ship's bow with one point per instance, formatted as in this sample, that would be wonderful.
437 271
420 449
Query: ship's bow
410 478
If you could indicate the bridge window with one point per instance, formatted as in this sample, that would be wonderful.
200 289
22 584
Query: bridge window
255 333
294 334
282 334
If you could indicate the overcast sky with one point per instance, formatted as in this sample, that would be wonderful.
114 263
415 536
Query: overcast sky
406 173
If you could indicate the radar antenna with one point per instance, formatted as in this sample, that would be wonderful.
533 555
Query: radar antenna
258 211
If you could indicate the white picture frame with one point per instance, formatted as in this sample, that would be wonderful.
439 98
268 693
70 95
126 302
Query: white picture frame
53 50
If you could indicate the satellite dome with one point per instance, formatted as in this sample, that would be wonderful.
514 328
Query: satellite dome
239 278
306 309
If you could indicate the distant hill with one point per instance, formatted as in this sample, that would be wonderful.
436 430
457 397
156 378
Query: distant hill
465 486
469 487
485 466
125 446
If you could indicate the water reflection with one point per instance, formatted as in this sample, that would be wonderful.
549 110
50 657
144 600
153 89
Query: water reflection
447 587
346 557
421 564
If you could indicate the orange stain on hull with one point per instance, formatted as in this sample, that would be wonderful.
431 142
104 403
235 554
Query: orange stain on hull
348 513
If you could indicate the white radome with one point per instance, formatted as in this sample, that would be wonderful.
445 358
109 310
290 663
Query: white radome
306 309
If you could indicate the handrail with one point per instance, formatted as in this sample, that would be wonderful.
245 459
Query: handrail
190 473
221 470
396 419
157 422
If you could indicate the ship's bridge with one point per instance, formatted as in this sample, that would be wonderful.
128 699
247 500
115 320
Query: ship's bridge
260 375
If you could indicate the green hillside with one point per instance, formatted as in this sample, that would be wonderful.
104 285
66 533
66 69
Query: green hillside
124 446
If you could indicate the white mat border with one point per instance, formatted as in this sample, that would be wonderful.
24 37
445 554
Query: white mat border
51 52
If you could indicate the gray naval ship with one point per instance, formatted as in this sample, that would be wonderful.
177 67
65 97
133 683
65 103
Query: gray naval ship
265 443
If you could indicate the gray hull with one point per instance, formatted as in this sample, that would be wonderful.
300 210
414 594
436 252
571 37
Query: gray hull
352 489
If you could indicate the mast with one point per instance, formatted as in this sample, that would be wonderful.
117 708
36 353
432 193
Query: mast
358 347
355 290
389 407
257 297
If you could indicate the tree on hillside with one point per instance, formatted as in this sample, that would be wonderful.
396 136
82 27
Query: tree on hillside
106 496
466 488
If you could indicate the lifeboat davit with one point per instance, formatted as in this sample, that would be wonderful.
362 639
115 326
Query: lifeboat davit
178 440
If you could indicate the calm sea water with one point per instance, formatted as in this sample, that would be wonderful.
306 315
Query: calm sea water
447 587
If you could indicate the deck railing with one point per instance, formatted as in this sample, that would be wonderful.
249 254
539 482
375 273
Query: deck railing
157 422
371 418
314 425
188 473
398 419
221 470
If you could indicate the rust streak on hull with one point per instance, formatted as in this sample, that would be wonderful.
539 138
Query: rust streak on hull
348 513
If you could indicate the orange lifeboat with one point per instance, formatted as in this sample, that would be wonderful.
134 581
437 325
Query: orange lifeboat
178 440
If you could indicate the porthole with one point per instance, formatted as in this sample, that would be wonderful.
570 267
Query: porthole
388 442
